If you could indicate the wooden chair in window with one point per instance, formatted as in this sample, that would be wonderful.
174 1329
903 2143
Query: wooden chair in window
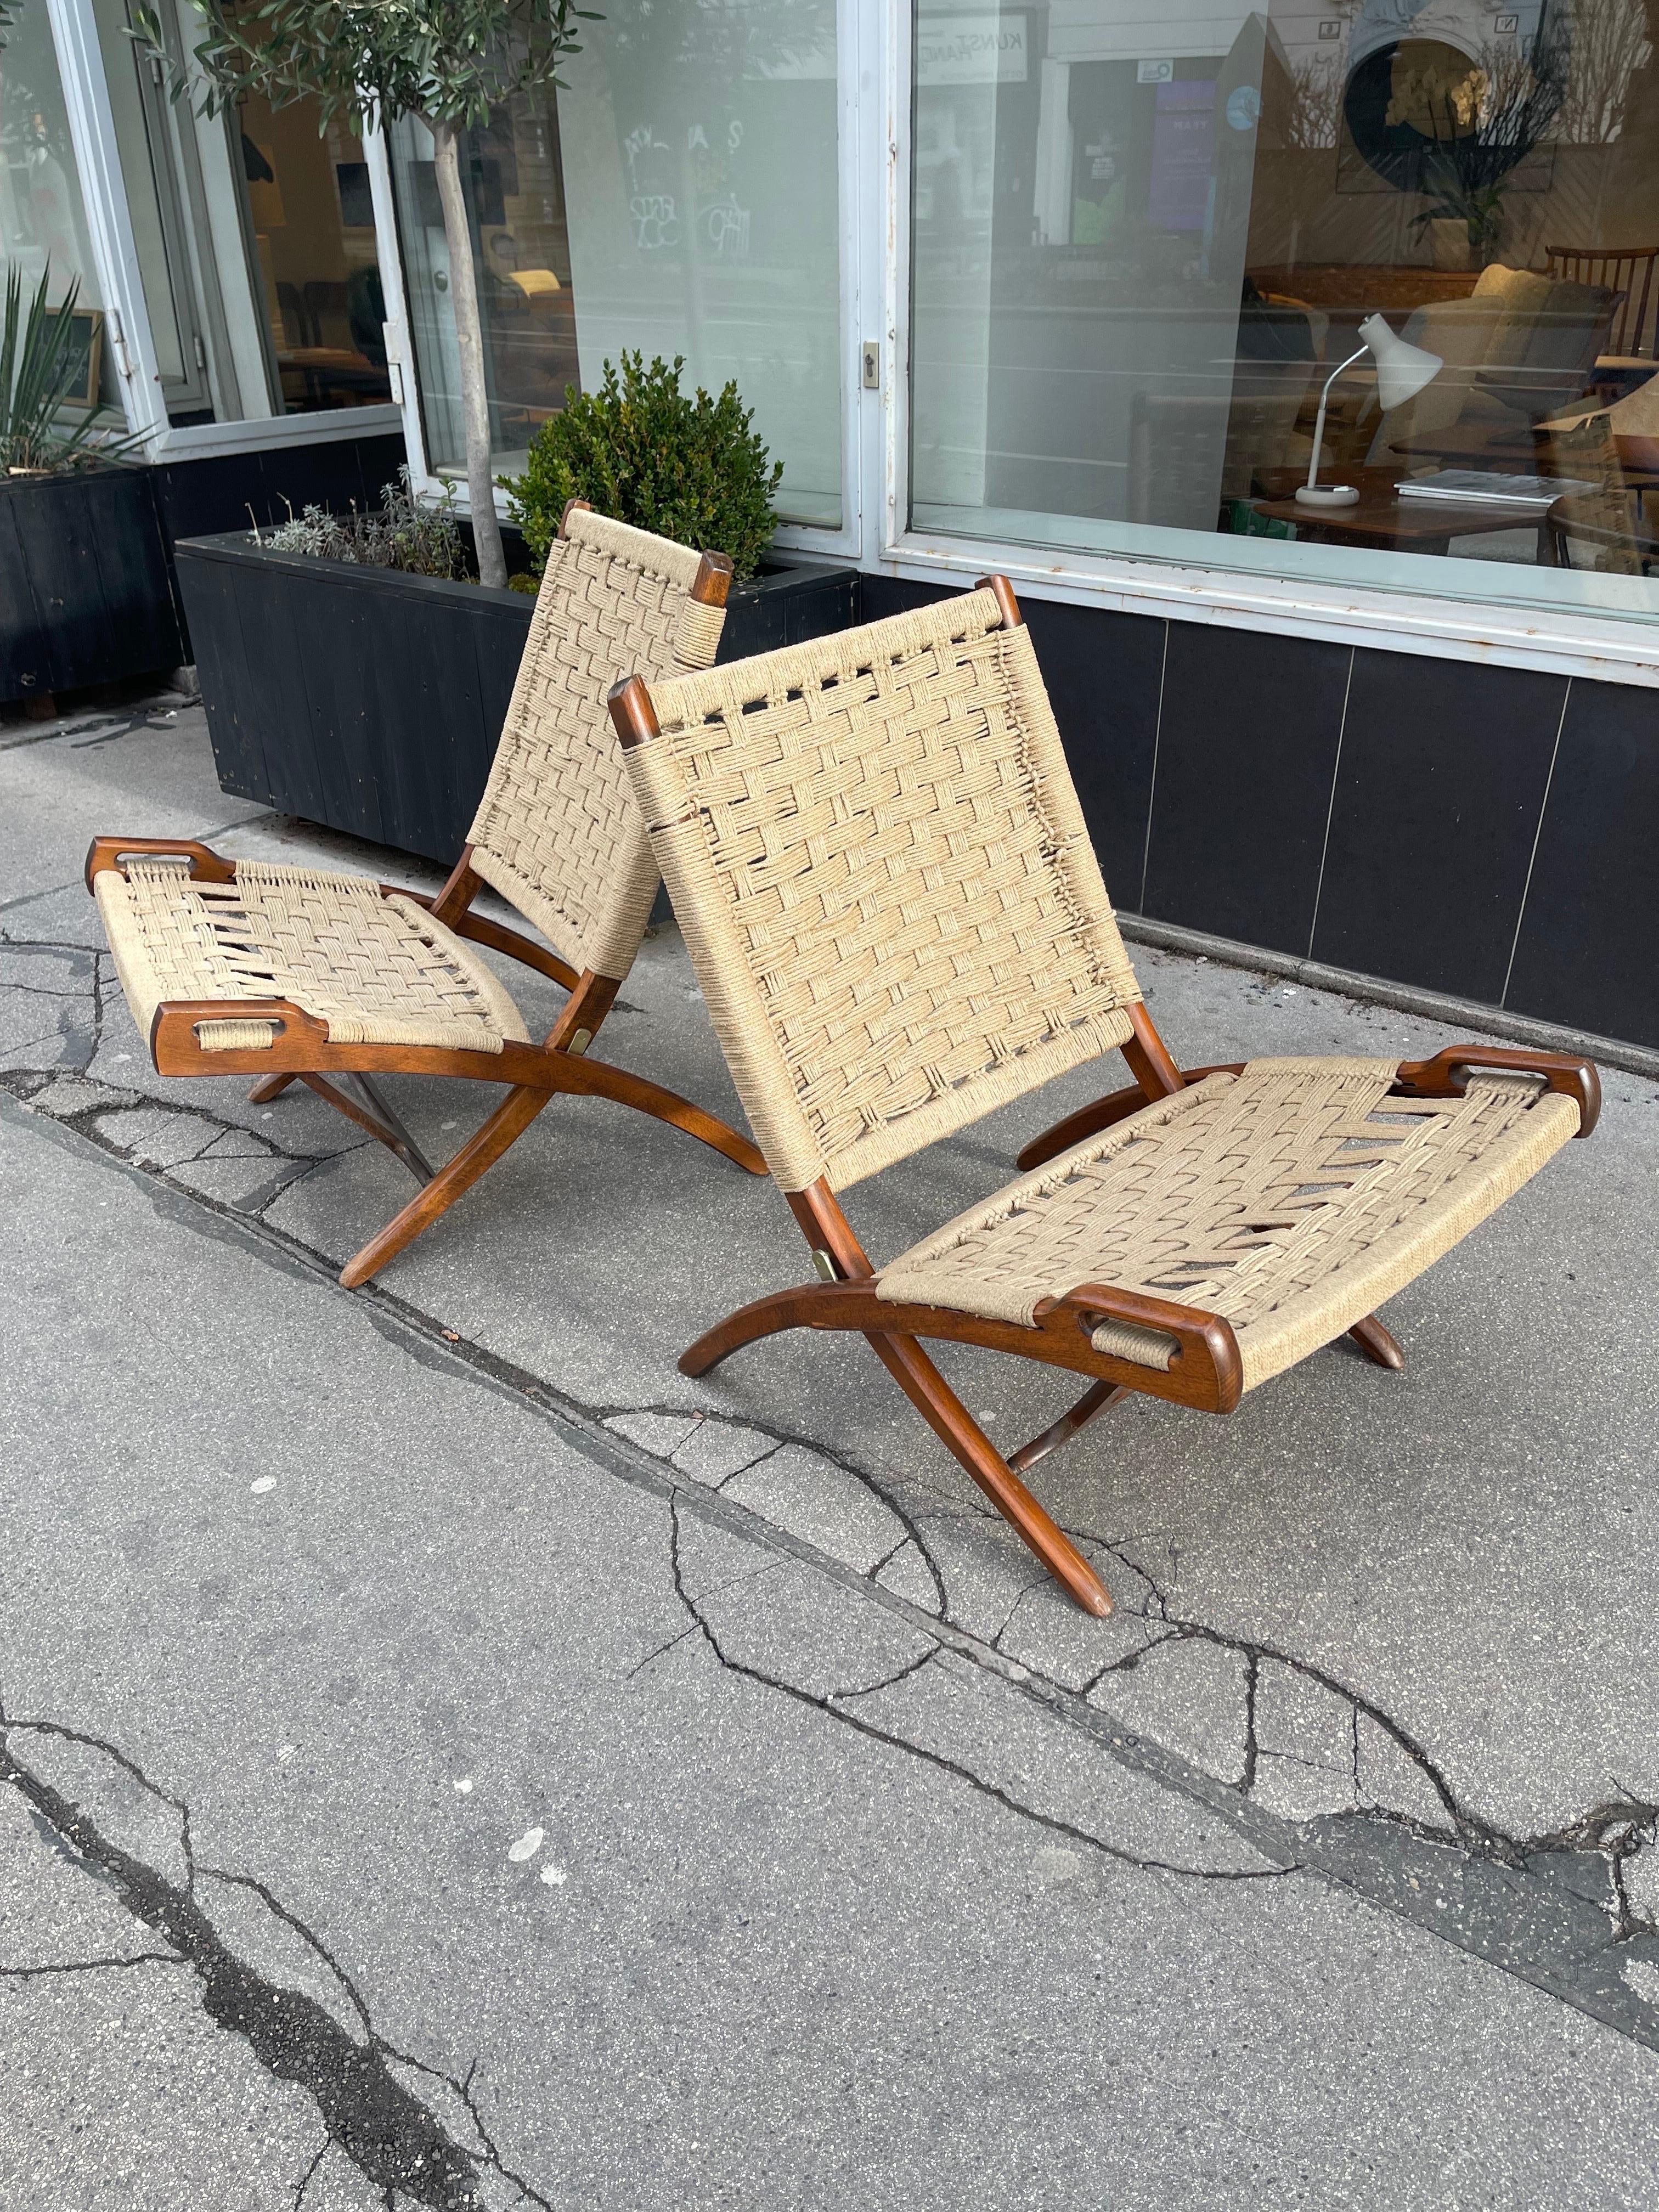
291 974
878 859
1627 272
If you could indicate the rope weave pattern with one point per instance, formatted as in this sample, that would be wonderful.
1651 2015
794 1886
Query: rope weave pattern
882 872
1292 1199
557 831
377 970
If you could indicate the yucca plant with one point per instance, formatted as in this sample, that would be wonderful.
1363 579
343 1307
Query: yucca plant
38 373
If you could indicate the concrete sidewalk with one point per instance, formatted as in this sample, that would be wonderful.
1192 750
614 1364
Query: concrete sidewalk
854 1868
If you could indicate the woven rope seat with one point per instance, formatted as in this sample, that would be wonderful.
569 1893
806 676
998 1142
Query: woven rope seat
377 970
1290 1198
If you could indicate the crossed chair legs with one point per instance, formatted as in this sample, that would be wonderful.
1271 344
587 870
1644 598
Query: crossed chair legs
343 1074
1206 1371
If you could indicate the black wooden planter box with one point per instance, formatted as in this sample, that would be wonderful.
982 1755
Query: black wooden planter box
373 702
84 593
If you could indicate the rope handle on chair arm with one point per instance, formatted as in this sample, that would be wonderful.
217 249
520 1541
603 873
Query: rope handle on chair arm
1205 1343
1444 1077
205 864
176 1049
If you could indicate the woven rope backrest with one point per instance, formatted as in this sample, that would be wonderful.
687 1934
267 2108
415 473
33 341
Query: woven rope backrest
881 868
558 832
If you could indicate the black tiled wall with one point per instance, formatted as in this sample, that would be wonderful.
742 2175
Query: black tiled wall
1439 793
1588 947
1247 745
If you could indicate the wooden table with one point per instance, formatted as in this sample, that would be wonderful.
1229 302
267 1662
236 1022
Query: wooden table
1381 518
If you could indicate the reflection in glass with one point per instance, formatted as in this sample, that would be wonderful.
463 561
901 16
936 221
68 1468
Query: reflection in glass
681 199
515 192
41 216
1134 269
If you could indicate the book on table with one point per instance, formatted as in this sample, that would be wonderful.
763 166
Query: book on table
1487 488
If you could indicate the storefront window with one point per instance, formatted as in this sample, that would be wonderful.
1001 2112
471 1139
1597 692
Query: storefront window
1134 269
255 243
679 197
521 252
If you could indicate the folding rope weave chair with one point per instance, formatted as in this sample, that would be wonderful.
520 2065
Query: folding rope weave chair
293 974
877 855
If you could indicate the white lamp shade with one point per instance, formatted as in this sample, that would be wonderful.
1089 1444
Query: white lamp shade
1402 370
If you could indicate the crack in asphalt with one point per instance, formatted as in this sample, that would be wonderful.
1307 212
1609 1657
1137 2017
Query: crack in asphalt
393 2139
1524 1904
27 1973
834 1705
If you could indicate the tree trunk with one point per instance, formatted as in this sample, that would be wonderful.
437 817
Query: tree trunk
469 338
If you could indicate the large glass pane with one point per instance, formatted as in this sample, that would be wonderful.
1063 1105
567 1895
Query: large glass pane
1141 249
521 252
255 241
311 224
679 197
157 210
41 215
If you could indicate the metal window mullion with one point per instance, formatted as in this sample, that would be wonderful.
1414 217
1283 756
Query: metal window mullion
399 341
887 184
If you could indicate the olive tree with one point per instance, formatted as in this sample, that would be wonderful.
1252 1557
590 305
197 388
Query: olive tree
370 63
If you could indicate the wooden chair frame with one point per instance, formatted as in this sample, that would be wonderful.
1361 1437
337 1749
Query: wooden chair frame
302 1051
1206 1371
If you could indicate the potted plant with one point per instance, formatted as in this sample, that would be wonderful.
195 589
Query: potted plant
84 594
353 674
643 451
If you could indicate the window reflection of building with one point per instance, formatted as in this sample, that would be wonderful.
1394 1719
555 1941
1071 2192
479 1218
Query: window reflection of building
41 218
1184 242
681 197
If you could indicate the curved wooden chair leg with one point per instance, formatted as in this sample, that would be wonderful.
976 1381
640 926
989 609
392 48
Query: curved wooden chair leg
944 1412
1062 1431
269 1087
602 1079
766 1316
955 1427
1378 1346
509 1122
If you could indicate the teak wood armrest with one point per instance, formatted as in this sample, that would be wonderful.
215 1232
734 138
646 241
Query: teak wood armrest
452 906
495 934
1206 1351
1204 1373
302 1046
206 865
1440 1078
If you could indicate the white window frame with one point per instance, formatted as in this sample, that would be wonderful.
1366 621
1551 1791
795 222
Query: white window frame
1392 618
861 213
115 260
873 46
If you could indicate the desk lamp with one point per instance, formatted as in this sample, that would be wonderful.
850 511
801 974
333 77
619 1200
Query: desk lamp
1402 371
